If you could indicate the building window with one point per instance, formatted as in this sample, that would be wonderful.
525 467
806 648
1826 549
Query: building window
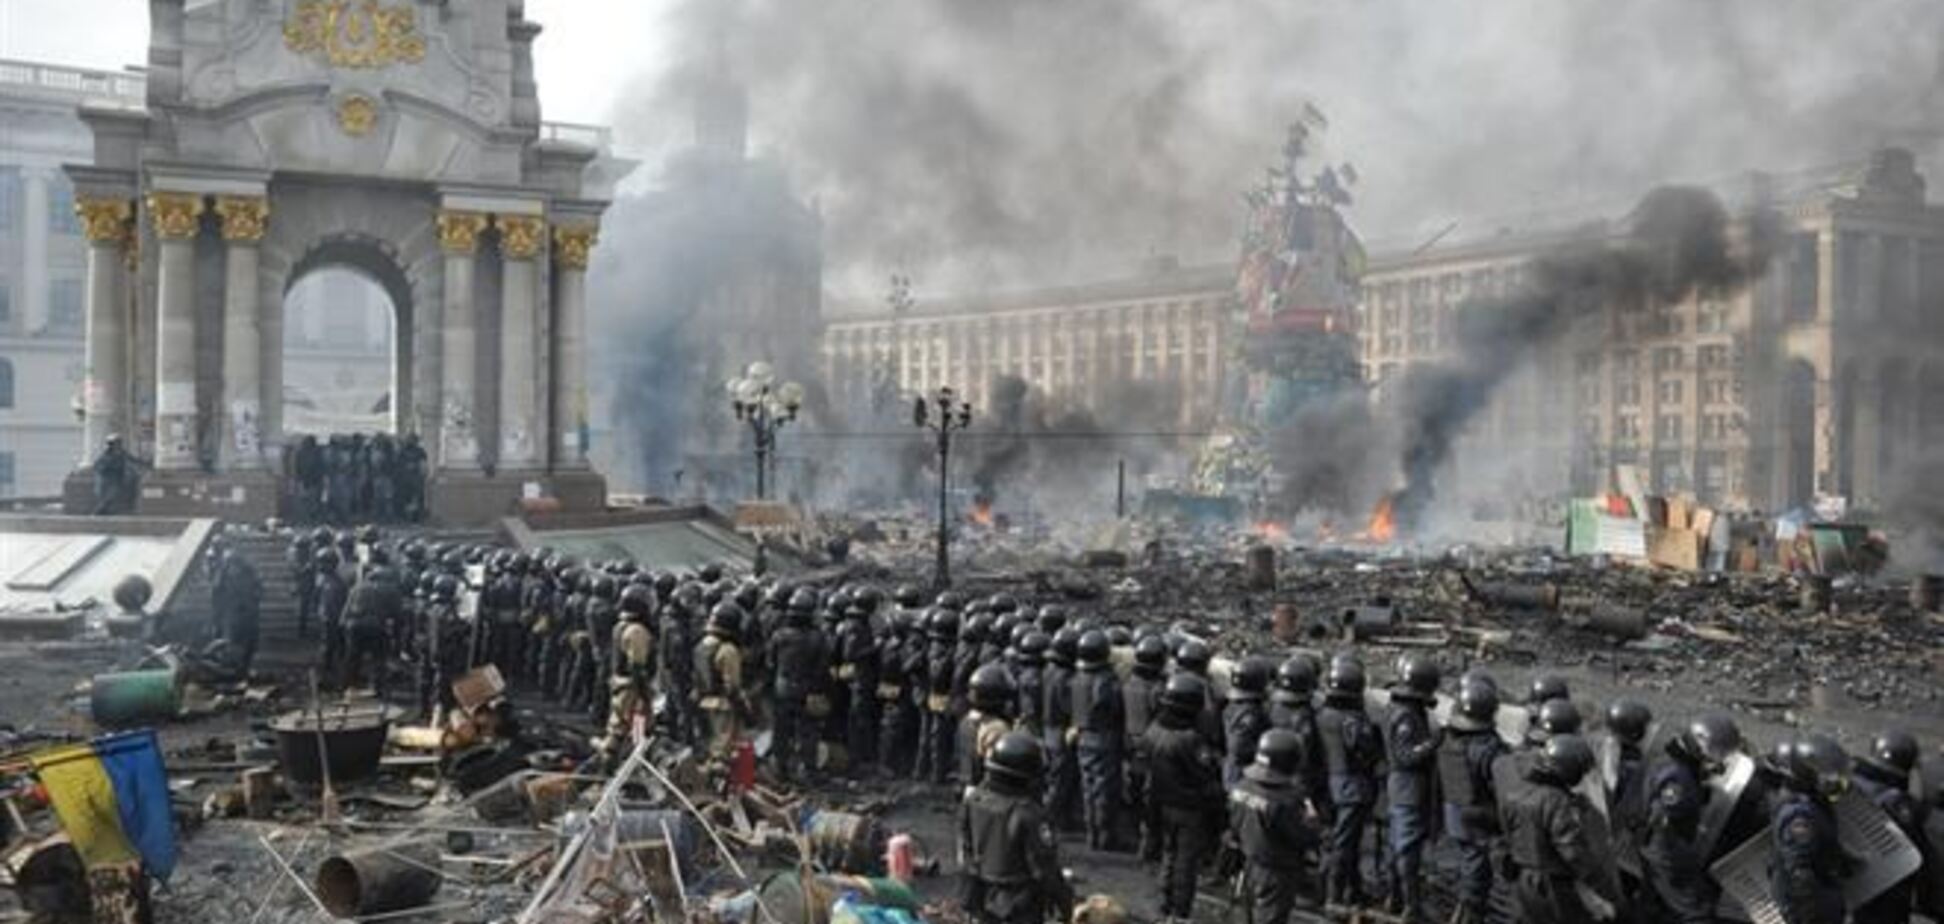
6 383
64 308
1668 392
60 208
6 474
1626 362
1714 427
1667 428
1712 357
1667 358
1626 394
1711 317
1715 391
1626 427
9 196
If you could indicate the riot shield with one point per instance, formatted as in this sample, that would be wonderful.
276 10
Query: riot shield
1601 858
1724 793
1888 857
1930 890
1607 753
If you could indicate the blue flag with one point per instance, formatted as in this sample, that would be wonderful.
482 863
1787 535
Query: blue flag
133 762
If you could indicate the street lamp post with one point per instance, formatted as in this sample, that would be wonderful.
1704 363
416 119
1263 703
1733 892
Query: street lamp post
767 407
943 414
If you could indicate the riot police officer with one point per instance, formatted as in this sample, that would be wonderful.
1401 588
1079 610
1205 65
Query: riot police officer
441 646
859 674
1029 680
1807 872
1470 747
1544 689
900 674
1062 771
1353 750
719 682
1141 695
1185 784
332 592
1273 828
1100 746
1245 717
1883 777
632 680
1554 717
1627 721
1194 657
1012 864
679 622
1292 705
1411 744
303 573
600 614
1551 855
369 613
935 745
801 656
1676 872
991 692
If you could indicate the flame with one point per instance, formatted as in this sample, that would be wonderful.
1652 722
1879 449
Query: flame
981 512
1383 522
1269 530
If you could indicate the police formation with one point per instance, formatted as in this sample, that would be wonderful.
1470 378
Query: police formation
355 478
1292 789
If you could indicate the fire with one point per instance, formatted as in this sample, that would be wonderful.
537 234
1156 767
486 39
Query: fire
1270 531
981 512
1383 522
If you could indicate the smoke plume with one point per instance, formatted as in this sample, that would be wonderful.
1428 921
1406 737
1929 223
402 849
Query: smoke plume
1678 245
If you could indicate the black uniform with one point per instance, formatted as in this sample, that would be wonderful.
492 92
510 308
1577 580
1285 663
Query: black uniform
860 673
1141 701
1244 720
1891 793
678 637
1549 851
1677 874
935 746
1296 712
536 604
331 595
1412 747
802 660
1062 771
1806 874
900 674
1100 716
374 606
442 653
303 573
237 598
1627 805
1465 759
1277 837
1012 863
1185 784
1352 752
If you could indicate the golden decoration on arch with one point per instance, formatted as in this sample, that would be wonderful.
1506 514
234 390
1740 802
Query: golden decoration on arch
521 236
357 115
573 243
245 218
103 219
355 33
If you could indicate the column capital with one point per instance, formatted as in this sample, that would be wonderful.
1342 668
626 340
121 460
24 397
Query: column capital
573 243
521 236
245 218
104 220
174 214
459 231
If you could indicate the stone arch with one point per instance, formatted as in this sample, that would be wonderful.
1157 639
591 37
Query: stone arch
376 261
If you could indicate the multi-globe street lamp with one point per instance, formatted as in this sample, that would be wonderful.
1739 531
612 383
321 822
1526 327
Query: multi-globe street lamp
943 414
767 407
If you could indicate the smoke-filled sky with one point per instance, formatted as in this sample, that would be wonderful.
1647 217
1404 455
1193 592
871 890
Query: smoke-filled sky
1001 141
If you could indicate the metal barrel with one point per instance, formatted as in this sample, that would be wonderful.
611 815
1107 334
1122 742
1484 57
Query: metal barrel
1622 622
1518 596
1925 591
134 698
377 880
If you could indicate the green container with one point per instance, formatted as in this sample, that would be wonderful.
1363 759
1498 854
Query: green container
135 698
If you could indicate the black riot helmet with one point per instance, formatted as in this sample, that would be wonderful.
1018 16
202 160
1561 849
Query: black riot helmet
710 573
1093 649
943 624
1298 674
637 600
803 601
1066 645
1417 677
1251 679
1707 742
991 689
1193 656
1894 752
1052 618
1184 695
726 620
951 600
1628 720
1150 657
972 630
1547 687
425 582
688 597
749 596
1556 717
1566 759
445 588
868 599
1032 648
1478 705
1346 676
1817 764
1118 636
1279 751
665 584
1002 603
604 587
327 557
1016 759
909 596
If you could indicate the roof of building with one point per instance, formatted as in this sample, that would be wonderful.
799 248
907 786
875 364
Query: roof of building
1169 281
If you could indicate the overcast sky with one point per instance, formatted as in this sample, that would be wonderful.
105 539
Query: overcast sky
581 57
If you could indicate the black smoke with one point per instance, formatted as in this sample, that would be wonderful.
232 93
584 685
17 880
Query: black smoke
1679 242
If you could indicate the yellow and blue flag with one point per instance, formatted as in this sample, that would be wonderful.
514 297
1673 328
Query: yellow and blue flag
112 797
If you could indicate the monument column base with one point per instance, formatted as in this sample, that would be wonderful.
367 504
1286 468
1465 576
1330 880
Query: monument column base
245 496
461 498
581 490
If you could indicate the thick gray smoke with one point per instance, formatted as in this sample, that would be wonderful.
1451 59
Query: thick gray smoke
1679 244
998 143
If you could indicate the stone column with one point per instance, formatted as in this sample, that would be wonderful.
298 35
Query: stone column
244 219
33 230
521 239
459 322
104 383
572 244
176 217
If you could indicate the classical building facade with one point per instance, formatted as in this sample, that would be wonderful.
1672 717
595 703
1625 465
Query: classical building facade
1078 345
401 140
1811 382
